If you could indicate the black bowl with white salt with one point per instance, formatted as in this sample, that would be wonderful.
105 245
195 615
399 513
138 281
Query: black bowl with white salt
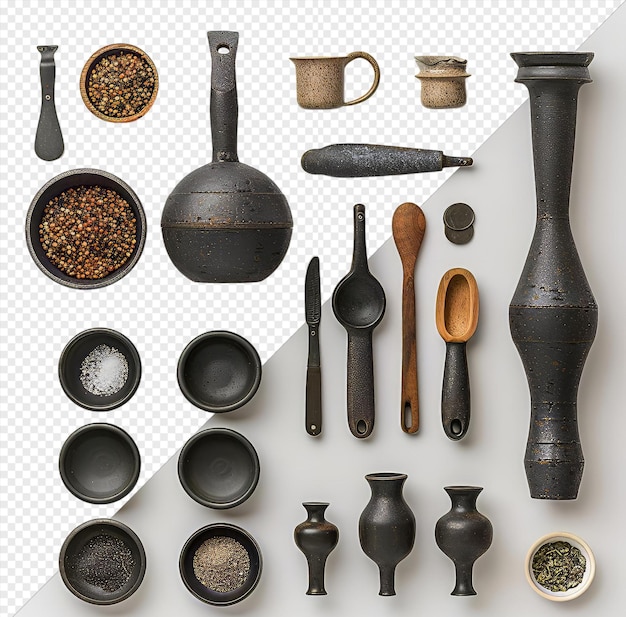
102 561
100 369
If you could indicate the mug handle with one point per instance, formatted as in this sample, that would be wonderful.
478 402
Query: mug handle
370 59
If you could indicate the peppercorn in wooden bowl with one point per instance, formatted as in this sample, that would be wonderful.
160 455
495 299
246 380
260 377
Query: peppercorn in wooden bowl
560 566
85 228
119 83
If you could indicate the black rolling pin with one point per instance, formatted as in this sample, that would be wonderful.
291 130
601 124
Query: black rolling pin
360 160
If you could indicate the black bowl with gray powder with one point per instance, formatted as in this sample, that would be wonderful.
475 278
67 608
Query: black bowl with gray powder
221 564
100 369
102 561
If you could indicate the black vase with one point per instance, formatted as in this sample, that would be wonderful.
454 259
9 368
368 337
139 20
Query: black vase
463 534
553 315
316 538
387 527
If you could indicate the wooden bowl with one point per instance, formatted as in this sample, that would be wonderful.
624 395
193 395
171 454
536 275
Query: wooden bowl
111 50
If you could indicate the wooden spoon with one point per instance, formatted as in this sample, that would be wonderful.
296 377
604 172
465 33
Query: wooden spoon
408 225
457 317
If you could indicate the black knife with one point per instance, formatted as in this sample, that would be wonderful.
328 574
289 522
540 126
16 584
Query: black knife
313 311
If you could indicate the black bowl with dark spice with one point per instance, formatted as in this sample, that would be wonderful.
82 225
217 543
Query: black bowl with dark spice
221 564
102 561
99 463
100 369
119 83
85 228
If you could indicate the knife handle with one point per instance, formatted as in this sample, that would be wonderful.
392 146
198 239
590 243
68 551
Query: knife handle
313 400
313 414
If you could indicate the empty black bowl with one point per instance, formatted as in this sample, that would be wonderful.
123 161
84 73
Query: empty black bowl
53 188
99 463
75 353
206 594
102 561
219 468
219 371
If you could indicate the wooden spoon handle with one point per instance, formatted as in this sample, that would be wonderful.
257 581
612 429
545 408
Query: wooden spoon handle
408 226
409 408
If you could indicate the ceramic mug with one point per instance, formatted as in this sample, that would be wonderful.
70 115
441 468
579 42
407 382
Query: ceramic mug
320 80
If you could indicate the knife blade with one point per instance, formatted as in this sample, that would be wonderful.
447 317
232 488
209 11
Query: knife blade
313 314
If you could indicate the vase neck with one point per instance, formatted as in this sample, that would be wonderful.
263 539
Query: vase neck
553 81
386 485
463 497
315 511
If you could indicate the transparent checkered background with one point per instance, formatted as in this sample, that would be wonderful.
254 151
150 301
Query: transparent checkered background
155 306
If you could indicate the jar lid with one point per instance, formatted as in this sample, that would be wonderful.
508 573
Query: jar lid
458 220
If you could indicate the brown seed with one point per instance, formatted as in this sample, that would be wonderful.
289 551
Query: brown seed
85 243
124 76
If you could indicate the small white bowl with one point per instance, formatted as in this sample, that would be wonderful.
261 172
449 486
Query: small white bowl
574 592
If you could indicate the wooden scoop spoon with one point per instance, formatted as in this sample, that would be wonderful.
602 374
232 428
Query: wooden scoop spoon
457 318
408 225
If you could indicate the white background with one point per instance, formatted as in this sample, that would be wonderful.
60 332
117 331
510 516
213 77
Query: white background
154 305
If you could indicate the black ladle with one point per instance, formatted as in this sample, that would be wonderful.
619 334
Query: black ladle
359 306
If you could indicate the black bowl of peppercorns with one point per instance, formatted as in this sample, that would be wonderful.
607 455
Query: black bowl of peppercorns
119 83
85 228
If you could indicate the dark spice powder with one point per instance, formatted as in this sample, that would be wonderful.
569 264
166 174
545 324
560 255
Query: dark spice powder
222 564
121 85
88 231
558 566
105 562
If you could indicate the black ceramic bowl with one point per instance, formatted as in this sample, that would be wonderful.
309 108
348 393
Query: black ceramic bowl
219 371
75 353
99 463
102 561
219 468
53 188
206 594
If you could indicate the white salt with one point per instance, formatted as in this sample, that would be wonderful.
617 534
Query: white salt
104 371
